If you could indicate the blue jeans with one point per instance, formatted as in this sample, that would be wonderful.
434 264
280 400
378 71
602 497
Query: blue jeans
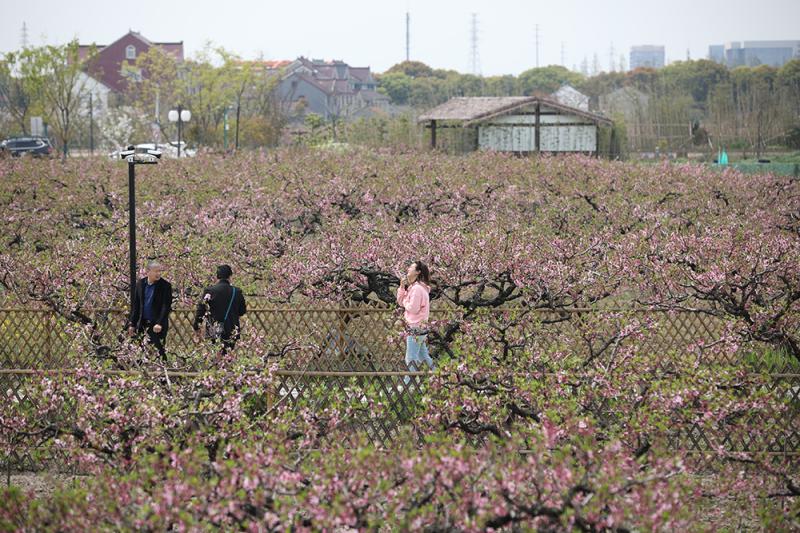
417 352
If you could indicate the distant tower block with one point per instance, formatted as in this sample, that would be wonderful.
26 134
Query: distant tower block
650 56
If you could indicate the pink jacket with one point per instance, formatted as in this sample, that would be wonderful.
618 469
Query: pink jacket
416 301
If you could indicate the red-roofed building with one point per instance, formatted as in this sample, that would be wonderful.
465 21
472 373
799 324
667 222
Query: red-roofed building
329 88
108 66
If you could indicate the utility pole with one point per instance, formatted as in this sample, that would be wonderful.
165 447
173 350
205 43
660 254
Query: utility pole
474 58
91 124
180 127
225 130
157 129
408 36
132 226
537 46
238 109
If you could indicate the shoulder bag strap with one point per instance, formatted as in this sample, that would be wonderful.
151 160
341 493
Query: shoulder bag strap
230 304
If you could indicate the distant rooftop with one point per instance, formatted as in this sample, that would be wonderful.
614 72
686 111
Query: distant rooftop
477 108
648 48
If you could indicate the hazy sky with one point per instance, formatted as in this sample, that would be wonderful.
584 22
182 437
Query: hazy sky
373 32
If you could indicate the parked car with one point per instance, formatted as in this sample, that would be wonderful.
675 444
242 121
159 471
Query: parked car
169 150
24 146
172 149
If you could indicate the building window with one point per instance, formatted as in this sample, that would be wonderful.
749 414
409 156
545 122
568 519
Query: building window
130 52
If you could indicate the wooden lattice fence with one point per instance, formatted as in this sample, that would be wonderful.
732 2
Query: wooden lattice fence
356 354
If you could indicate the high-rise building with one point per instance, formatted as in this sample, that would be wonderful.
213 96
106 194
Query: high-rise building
647 56
752 53
716 53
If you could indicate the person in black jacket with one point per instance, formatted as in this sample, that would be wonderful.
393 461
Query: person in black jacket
152 304
220 307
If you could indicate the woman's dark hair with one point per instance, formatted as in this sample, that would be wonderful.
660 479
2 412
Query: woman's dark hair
424 274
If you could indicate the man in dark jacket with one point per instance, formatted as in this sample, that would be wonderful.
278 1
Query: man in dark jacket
221 306
152 304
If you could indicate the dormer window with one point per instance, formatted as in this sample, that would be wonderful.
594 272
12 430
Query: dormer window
130 52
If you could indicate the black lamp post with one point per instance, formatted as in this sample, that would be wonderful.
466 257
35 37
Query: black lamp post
135 157
180 116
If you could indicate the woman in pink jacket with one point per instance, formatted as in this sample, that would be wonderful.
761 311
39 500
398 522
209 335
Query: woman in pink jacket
413 296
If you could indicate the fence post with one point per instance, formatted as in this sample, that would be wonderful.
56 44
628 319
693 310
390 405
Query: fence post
50 327
342 339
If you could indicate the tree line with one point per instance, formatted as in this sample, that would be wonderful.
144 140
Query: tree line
686 106
55 83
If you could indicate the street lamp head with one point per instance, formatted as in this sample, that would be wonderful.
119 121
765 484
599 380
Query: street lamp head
184 115
140 156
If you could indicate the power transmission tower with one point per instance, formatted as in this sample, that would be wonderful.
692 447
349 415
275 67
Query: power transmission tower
475 63
537 46
408 36
563 61
24 35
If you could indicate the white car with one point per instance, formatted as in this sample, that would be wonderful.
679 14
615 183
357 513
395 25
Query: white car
171 149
